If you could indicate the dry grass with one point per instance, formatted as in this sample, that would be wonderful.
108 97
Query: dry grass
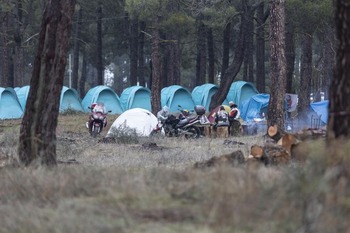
129 188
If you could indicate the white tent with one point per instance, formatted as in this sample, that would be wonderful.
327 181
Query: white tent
138 119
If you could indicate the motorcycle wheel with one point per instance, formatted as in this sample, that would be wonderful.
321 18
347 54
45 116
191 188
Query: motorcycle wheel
194 132
95 131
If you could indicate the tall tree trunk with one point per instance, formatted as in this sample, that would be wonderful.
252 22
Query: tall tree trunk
260 49
248 70
76 49
339 105
290 57
100 68
211 57
5 51
232 71
141 56
328 62
134 34
226 48
37 138
201 61
82 79
305 76
156 68
275 110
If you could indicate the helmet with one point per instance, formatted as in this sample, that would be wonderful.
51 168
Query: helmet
165 109
186 112
231 103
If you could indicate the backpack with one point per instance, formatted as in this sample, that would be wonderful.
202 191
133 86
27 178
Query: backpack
222 116
232 115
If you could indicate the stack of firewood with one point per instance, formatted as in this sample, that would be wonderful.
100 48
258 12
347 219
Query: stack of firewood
279 149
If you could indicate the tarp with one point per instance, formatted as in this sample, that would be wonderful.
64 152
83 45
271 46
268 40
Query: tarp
70 100
254 106
241 91
102 94
10 108
321 109
211 116
175 95
138 119
202 94
136 97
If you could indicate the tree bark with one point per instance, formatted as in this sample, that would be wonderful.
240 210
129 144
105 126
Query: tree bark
290 57
76 49
226 48
260 49
275 110
141 56
83 75
38 129
232 71
134 34
156 68
248 70
305 76
211 57
339 106
201 62
100 68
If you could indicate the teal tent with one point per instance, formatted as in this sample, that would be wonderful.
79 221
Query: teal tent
22 94
175 95
136 97
202 94
10 108
70 100
102 94
240 91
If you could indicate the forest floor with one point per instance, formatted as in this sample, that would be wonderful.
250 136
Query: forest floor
131 186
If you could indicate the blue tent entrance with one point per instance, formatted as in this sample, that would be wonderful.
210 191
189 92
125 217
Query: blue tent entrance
136 97
241 91
202 94
10 108
175 95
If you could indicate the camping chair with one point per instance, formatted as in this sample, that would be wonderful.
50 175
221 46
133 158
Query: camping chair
315 121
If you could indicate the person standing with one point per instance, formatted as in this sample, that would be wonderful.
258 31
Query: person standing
234 119
221 118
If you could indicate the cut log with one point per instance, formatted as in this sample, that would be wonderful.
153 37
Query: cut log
287 141
207 131
221 132
274 133
256 151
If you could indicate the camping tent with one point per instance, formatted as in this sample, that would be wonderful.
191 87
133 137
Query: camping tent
10 108
241 91
70 100
102 94
138 119
175 95
321 109
254 106
202 94
22 94
136 97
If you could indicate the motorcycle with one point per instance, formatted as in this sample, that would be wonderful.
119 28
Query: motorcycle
98 119
174 126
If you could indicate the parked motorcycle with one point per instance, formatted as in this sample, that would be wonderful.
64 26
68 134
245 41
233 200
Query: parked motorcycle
98 119
174 126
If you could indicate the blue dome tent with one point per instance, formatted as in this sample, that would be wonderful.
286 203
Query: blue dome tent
104 95
175 95
10 108
241 91
252 107
202 94
136 97
70 100
22 94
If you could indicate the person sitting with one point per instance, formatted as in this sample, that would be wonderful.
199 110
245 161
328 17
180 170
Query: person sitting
234 119
163 114
221 118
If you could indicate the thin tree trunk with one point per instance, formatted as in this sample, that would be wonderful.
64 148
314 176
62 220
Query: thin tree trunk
211 57
226 48
156 68
82 79
201 62
305 76
76 49
100 68
328 62
141 56
260 49
290 57
134 34
275 110
38 129
339 104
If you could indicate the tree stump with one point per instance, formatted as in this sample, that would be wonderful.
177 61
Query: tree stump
207 131
270 154
221 132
